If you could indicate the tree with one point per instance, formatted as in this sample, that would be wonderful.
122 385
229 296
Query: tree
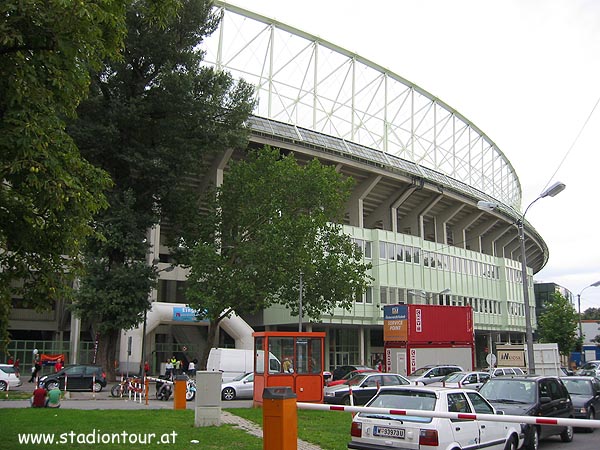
151 121
559 323
591 314
269 223
48 192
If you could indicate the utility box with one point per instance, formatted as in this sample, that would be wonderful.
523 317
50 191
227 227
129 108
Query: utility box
280 419
208 399
419 335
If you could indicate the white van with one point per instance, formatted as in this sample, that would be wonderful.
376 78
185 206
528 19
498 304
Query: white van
232 362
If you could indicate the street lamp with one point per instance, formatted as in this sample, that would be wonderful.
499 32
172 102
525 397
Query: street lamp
553 190
596 284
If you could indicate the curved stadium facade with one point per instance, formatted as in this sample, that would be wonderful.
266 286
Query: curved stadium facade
420 168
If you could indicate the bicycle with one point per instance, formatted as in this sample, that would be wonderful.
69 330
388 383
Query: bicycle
126 386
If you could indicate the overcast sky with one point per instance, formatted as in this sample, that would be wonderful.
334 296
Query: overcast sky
526 72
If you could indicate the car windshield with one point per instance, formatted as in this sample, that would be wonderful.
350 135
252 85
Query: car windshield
455 377
589 366
420 372
509 391
355 380
578 387
405 399
240 377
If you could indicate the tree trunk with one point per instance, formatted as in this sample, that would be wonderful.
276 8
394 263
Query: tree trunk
210 343
106 357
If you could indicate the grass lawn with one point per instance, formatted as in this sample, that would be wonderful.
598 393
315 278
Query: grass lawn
330 430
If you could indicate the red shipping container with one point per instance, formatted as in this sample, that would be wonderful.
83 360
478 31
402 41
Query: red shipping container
428 324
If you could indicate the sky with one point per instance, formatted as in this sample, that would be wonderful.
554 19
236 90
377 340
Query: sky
525 72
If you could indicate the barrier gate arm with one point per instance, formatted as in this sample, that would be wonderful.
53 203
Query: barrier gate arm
578 423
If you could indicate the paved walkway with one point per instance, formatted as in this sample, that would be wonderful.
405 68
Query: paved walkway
87 401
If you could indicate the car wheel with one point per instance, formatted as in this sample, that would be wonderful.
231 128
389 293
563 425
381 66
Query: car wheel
591 416
97 387
511 443
51 385
534 439
228 394
567 434
3 385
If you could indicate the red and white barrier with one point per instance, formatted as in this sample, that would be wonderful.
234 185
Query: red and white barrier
578 423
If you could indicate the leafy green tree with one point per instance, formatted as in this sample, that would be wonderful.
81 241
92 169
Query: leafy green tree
152 121
271 221
591 314
48 192
559 323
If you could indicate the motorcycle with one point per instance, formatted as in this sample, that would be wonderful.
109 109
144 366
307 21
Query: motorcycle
165 390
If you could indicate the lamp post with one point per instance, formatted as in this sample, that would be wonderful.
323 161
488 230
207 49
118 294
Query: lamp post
553 190
596 284
423 294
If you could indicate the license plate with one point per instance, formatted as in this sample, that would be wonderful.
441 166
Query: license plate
397 433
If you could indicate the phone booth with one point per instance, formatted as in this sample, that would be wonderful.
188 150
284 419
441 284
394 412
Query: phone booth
292 359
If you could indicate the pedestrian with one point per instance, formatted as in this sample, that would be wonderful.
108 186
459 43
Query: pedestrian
146 368
54 398
36 366
17 366
191 369
10 361
177 367
58 366
39 399
169 369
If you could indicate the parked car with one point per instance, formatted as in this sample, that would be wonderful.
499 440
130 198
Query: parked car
340 371
79 377
239 387
371 431
590 369
362 387
467 380
503 371
348 376
585 394
531 395
567 372
432 373
9 377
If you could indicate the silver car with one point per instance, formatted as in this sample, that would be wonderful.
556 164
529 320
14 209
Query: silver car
466 380
241 387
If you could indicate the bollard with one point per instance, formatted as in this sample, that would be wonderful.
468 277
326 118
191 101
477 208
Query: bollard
180 386
280 419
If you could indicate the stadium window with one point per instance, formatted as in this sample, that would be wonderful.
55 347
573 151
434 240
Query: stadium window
368 251
382 248
391 251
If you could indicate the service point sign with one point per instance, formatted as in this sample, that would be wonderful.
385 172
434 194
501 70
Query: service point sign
395 323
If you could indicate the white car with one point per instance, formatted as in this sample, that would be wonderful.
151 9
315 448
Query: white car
241 387
375 431
9 377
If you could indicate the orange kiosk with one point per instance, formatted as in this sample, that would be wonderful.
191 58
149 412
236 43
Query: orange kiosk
295 360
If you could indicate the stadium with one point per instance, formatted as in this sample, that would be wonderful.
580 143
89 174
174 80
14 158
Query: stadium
420 169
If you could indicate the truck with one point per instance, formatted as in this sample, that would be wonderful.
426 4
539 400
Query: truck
232 362
545 356
419 335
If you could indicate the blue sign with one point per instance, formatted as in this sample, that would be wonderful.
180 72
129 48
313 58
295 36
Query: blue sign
395 312
184 314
